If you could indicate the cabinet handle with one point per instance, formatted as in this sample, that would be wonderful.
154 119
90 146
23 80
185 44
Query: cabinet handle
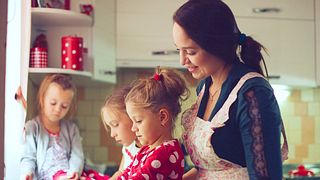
274 77
165 52
104 72
266 10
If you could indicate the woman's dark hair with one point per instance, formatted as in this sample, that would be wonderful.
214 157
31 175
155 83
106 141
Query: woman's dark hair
212 25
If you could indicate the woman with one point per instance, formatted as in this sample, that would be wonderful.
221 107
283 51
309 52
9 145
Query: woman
233 130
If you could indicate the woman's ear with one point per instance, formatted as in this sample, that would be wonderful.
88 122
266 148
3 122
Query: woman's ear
164 116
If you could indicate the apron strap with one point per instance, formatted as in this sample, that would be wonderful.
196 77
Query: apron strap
222 115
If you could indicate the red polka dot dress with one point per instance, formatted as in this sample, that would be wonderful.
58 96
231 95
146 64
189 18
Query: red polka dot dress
165 161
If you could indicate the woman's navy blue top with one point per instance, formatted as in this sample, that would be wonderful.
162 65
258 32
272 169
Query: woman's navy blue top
251 136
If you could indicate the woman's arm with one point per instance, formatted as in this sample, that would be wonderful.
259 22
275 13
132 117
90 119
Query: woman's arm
260 124
190 175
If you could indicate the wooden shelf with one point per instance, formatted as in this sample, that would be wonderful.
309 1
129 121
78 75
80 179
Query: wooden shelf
59 17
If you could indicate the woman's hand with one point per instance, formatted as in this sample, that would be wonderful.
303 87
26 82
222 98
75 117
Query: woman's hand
190 175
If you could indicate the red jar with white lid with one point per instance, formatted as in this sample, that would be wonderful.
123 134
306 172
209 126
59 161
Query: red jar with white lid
71 52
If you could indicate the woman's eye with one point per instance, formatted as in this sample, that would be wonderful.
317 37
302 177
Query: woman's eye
190 52
53 103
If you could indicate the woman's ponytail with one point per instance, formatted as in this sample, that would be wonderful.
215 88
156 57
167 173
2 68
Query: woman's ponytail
251 54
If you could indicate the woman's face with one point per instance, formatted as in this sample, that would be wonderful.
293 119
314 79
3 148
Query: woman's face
199 63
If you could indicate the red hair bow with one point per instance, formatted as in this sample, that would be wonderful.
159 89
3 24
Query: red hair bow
157 77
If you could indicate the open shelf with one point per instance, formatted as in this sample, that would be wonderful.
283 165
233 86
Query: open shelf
59 17
80 78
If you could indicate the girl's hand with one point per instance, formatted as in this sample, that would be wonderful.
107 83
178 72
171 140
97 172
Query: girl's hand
74 176
26 177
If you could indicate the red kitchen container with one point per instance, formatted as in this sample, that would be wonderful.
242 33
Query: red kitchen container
38 57
71 52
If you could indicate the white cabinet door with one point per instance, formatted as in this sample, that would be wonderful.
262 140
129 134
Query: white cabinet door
317 18
144 33
17 56
279 9
290 45
287 29
104 41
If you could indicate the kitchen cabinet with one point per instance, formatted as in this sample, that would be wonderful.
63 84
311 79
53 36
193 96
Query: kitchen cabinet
144 33
317 20
287 29
98 37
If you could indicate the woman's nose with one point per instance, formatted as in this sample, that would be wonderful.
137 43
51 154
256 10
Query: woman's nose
182 57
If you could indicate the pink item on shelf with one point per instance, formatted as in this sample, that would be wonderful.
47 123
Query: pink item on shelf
71 53
39 57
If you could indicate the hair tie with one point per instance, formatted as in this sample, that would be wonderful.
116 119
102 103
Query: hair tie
242 38
157 77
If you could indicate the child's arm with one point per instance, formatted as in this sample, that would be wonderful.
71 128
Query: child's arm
190 175
29 154
76 161
119 172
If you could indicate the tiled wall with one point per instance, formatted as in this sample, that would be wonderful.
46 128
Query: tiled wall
300 112
301 115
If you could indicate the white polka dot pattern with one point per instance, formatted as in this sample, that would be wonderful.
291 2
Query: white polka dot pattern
182 163
172 159
156 164
159 176
173 175
135 162
146 177
176 154
164 162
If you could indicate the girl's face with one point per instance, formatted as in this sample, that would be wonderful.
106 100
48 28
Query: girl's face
120 126
56 103
199 63
146 125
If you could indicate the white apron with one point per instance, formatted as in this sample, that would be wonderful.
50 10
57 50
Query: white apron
197 136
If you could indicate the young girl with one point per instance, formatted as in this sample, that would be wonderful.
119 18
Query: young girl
116 119
52 147
153 105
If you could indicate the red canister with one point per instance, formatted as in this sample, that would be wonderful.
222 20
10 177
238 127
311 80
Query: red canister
71 52
38 57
